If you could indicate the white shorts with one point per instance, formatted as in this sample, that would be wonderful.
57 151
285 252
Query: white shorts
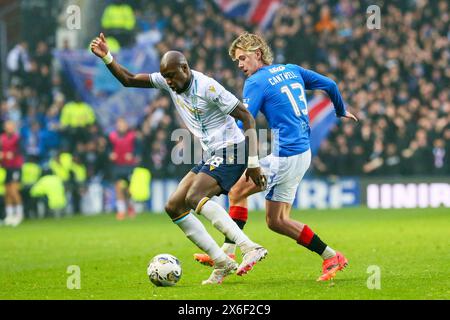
284 175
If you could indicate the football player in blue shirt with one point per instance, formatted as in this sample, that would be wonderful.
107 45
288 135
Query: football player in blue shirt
278 92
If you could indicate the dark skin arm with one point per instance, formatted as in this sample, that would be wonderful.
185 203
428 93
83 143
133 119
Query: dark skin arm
100 48
249 124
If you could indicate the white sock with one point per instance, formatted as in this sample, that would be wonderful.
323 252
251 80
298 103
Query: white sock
121 206
9 212
223 222
196 232
19 211
229 248
328 253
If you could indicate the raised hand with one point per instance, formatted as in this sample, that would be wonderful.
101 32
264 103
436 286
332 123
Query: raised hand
350 116
99 46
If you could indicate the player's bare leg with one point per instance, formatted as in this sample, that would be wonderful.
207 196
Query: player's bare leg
14 208
177 201
182 215
199 195
241 191
121 204
9 206
278 220
131 211
18 201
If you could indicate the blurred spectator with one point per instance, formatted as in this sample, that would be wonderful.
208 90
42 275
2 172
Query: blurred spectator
95 156
160 154
440 157
18 62
326 22
119 21
11 159
44 87
2 194
60 165
76 117
43 56
50 187
77 183
52 137
31 172
125 157
287 20
391 161
33 141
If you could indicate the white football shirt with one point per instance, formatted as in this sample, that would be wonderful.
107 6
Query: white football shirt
205 108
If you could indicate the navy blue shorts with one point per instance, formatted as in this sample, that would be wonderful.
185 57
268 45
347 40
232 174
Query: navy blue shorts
121 172
226 166
13 175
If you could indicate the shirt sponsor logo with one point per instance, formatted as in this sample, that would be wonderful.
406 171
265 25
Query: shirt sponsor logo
277 69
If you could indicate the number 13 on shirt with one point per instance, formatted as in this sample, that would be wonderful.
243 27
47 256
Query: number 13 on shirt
296 86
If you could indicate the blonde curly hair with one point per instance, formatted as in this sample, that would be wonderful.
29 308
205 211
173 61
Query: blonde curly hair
250 42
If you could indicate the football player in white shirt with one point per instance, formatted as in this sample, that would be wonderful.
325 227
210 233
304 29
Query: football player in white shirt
209 111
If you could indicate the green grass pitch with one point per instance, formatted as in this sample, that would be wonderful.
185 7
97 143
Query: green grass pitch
411 248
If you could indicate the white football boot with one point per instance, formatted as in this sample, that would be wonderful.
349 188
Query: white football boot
17 220
250 259
221 270
10 220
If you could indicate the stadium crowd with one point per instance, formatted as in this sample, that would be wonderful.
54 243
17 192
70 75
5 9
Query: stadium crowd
395 79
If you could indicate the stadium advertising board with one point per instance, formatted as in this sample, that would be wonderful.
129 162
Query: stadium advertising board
328 193
406 193
314 193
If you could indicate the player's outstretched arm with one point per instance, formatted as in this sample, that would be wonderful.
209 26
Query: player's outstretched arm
316 81
99 47
253 169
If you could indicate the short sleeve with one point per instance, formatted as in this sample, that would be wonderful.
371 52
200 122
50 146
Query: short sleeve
158 81
221 97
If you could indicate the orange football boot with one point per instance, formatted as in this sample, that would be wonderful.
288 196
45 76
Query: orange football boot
131 211
331 266
120 216
204 259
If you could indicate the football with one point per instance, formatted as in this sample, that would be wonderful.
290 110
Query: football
164 270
